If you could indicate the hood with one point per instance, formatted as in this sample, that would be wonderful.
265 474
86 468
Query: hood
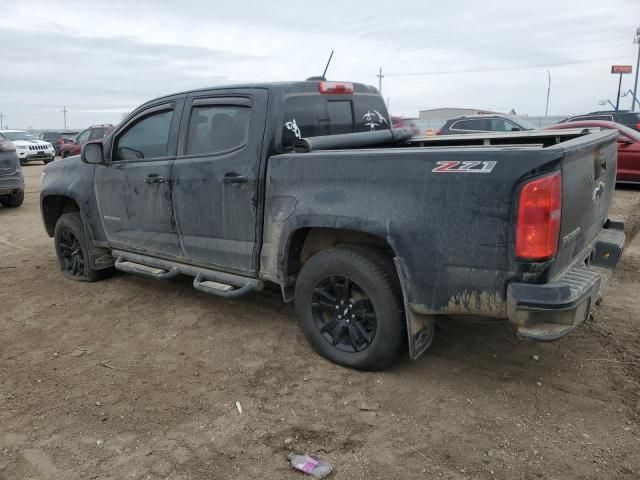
26 143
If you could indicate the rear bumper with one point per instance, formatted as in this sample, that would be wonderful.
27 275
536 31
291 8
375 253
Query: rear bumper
549 311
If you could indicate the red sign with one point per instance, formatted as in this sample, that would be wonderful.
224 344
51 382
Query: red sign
621 69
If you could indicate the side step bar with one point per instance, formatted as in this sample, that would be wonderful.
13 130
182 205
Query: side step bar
222 284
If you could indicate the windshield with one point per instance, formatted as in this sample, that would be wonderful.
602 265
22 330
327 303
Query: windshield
13 136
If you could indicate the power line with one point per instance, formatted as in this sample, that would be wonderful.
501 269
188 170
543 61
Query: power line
499 69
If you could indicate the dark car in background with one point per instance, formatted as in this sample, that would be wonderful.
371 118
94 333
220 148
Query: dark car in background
484 123
624 117
401 122
95 132
58 138
628 147
11 178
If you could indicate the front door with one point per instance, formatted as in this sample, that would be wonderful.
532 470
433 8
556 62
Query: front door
215 178
133 189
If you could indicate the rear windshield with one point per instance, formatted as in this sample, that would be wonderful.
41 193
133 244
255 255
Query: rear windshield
317 115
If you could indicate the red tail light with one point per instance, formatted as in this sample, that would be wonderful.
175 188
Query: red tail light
539 214
335 87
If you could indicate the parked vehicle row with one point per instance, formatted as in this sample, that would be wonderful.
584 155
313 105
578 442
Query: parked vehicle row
28 148
374 234
58 138
95 132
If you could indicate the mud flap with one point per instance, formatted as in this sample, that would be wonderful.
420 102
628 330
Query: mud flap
420 328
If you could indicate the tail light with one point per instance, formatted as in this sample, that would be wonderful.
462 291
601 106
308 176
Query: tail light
7 146
638 126
539 214
335 87
439 131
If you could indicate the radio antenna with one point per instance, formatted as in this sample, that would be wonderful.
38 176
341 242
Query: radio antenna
327 67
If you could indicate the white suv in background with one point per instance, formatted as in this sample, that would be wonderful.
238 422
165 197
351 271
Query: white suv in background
29 149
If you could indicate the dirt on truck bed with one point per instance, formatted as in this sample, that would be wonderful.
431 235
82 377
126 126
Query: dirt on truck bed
135 378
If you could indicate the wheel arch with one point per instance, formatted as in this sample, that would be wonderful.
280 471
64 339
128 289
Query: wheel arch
53 207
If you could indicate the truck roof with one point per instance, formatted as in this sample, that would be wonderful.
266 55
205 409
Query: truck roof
307 86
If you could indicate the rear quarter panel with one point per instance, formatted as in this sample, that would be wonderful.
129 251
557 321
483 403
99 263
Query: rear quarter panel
451 232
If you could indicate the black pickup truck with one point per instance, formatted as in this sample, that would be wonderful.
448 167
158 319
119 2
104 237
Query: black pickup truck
375 234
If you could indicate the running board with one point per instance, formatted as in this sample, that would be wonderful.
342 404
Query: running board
145 270
222 284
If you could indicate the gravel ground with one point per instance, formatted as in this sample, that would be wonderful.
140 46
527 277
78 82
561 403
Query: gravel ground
134 378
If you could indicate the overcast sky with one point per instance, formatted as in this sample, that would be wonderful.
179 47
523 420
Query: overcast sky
103 58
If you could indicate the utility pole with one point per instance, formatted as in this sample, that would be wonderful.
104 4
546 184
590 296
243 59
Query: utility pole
380 77
1 117
64 112
546 110
618 97
635 85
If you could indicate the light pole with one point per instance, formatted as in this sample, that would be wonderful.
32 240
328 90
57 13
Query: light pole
635 85
546 110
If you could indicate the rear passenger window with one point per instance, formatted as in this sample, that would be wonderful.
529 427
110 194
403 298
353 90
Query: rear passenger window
147 138
472 125
215 129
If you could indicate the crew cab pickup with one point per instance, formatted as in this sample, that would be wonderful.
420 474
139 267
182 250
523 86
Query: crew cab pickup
374 234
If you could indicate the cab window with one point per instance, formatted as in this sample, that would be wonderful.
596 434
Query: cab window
148 137
217 128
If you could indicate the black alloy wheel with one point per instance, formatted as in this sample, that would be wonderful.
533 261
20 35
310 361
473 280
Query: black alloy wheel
344 314
70 254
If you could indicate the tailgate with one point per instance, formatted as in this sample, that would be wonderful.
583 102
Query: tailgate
588 182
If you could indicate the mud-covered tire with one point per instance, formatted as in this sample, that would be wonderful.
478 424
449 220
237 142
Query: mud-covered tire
72 250
12 201
370 284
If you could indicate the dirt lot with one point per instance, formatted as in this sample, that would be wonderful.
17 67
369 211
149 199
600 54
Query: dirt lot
133 378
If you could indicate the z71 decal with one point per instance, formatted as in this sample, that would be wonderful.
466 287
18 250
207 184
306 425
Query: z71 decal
452 166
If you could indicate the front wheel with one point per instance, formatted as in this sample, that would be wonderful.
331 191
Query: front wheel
349 308
72 250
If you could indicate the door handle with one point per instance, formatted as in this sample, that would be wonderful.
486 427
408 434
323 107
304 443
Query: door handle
233 177
155 178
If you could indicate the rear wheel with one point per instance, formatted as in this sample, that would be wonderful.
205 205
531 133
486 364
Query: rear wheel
349 309
72 250
12 201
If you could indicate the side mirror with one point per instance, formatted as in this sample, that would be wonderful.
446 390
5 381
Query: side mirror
92 153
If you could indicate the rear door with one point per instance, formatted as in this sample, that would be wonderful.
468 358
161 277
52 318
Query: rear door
133 189
216 178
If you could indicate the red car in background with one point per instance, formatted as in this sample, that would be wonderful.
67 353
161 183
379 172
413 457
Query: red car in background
628 147
400 122
95 132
